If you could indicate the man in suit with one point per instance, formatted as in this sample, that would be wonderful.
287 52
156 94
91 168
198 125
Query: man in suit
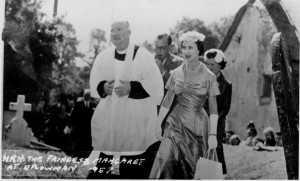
215 61
81 125
166 62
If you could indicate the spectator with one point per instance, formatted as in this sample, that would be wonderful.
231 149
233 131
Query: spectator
257 144
250 125
235 140
278 138
251 134
227 137
215 61
81 125
269 135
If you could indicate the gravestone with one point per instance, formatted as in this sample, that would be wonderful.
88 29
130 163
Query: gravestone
18 131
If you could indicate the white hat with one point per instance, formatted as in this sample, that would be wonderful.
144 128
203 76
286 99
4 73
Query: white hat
219 56
192 36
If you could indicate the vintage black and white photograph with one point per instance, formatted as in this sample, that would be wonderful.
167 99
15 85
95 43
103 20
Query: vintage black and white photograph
150 89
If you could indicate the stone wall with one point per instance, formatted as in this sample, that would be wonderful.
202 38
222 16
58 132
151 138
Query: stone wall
249 58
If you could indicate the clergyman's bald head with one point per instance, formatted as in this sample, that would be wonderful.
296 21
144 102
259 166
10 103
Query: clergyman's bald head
124 22
120 33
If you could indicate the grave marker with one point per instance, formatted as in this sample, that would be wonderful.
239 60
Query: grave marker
19 132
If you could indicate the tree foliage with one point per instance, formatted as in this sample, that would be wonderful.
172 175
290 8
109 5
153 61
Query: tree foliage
148 46
64 72
96 45
20 22
189 24
97 40
45 50
221 26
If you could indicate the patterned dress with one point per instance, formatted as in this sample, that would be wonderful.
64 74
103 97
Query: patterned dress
186 133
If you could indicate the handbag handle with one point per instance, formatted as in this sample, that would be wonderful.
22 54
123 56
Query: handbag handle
214 154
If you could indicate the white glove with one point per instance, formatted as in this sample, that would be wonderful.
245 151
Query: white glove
212 139
212 142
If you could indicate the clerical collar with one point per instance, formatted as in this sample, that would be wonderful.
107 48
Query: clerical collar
120 55
122 52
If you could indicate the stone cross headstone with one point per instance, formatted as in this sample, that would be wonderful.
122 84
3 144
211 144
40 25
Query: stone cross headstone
19 132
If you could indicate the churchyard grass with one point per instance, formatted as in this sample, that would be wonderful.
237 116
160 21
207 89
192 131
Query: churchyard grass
244 163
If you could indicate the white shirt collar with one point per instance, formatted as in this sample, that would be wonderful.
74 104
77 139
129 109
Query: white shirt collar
122 52
164 61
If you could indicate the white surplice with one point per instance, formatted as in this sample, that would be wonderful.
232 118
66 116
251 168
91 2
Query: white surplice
125 124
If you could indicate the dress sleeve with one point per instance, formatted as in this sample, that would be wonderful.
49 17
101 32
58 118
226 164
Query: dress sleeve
213 89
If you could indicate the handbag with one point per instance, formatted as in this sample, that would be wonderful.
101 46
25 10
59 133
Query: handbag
208 167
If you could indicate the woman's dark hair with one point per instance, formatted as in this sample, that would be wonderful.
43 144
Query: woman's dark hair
252 132
213 55
251 125
200 46
234 138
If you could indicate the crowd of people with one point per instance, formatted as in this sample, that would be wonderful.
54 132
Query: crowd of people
168 109
272 141
156 104
65 122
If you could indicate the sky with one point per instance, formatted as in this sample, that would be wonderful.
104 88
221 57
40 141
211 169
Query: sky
147 18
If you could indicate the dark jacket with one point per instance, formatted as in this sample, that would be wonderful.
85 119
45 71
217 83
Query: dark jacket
224 99
171 63
81 125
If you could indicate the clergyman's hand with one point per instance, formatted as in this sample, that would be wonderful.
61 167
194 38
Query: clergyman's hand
108 87
123 89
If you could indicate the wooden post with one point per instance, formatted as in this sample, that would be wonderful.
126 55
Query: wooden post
286 90
55 8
